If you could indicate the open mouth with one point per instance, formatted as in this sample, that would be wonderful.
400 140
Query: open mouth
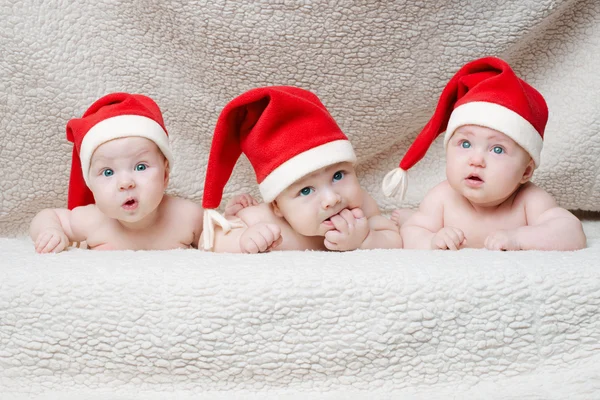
474 180
130 204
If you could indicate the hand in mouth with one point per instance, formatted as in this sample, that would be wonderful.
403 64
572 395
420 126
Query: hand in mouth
328 220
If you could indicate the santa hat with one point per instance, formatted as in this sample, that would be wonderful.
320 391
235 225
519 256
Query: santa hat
286 133
485 92
116 115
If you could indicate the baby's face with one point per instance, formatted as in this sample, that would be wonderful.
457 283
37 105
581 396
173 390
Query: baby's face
485 165
128 177
309 203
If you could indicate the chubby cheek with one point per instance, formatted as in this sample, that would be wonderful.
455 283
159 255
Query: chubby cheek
302 219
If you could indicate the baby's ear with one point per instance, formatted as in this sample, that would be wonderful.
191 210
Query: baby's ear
528 173
167 172
276 209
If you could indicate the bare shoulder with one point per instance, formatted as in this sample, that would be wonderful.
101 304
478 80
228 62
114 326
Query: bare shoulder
85 220
89 214
181 206
534 197
438 195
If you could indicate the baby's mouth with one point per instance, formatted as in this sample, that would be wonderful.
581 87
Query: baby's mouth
474 181
130 204
474 178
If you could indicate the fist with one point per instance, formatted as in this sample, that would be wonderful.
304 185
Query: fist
351 230
448 238
502 240
239 202
260 238
51 241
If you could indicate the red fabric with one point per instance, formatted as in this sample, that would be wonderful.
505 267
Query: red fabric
270 125
488 79
109 106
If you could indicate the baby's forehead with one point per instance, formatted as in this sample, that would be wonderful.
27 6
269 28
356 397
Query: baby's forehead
124 147
325 171
482 132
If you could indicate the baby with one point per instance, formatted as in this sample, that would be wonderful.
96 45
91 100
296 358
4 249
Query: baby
305 169
494 125
120 170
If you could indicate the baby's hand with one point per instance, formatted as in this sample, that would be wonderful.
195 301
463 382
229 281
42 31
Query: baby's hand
400 216
502 240
239 202
51 240
351 230
448 238
260 238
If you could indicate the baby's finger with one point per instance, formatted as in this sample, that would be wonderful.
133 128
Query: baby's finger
261 242
267 235
340 223
52 243
459 234
357 213
275 229
333 236
275 243
250 246
450 243
41 242
439 243
331 246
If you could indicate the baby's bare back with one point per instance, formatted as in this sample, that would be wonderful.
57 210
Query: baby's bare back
178 225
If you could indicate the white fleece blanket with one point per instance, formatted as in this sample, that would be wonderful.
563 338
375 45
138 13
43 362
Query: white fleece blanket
379 66
383 323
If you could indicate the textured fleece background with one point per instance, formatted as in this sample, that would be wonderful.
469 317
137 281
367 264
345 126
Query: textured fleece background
378 66
379 324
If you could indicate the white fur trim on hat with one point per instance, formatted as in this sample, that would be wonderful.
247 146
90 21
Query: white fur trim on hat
122 126
501 119
303 164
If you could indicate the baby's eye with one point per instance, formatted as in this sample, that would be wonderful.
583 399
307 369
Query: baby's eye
465 144
338 176
108 172
306 191
498 150
141 167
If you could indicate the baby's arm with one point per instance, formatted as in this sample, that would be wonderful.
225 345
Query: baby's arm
383 233
255 236
239 202
53 230
425 228
549 227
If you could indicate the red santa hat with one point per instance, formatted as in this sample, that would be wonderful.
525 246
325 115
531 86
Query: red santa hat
485 92
286 133
116 115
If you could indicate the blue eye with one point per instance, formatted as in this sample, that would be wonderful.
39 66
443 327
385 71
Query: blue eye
108 172
465 144
498 150
306 191
140 167
338 176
